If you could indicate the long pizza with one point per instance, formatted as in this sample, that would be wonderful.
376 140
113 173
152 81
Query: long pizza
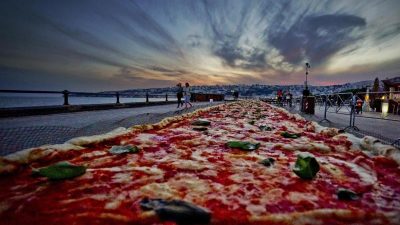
245 162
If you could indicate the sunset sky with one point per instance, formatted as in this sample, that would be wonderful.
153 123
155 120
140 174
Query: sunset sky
98 45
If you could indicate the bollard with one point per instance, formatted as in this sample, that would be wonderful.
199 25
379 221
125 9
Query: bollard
147 97
65 94
166 97
117 94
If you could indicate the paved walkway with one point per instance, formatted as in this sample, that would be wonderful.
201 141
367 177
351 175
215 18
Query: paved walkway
31 131
372 124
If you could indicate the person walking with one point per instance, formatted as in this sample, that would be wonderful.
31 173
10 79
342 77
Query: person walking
359 105
279 95
179 95
186 91
290 99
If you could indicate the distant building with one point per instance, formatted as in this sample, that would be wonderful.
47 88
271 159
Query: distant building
392 85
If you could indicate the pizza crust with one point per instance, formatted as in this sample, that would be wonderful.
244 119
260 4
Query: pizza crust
85 140
367 143
377 148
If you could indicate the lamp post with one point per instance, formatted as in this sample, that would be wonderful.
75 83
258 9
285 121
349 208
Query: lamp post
306 92
307 67
307 102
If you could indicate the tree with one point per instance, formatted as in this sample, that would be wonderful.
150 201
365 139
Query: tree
375 88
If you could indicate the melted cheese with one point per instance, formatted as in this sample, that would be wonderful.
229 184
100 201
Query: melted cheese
146 140
191 165
366 176
122 178
297 197
93 154
157 190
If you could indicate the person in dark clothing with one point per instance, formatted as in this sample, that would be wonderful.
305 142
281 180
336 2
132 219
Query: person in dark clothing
235 95
179 95
290 99
279 95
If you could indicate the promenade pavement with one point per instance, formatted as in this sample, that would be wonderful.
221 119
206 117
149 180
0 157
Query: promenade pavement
19 133
369 123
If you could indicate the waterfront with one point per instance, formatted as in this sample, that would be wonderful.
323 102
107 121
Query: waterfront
20 100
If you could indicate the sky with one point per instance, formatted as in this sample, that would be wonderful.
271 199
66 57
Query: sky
100 45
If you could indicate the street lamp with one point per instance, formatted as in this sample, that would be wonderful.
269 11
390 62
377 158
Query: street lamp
307 67
306 92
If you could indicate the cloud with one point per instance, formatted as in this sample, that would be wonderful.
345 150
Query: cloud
317 37
391 31
238 57
193 40
139 79
168 72
206 41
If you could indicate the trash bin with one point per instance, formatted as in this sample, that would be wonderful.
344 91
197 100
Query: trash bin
308 104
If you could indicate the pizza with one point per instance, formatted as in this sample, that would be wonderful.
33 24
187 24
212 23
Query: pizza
245 162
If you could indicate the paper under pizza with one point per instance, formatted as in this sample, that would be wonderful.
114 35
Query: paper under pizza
239 163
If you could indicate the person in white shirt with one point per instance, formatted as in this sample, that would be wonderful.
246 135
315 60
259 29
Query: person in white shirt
186 92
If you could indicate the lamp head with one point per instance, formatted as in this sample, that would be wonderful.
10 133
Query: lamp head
308 65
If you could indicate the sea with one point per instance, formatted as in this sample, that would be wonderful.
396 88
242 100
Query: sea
27 100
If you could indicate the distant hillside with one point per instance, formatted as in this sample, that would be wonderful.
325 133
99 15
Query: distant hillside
254 89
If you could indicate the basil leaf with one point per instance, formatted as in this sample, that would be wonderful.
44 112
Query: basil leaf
252 122
201 123
306 167
267 162
345 194
261 117
265 128
244 145
178 211
60 171
121 149
290 135
200 128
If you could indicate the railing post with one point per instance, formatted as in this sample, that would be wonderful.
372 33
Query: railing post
166 97
147 97
325 110
352 116
351 112
65 94
117 94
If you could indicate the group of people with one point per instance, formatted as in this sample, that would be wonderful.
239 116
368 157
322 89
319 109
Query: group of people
284 98
183 92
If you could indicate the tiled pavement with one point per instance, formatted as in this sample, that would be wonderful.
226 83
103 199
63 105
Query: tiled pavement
370 124
25 132
14 139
